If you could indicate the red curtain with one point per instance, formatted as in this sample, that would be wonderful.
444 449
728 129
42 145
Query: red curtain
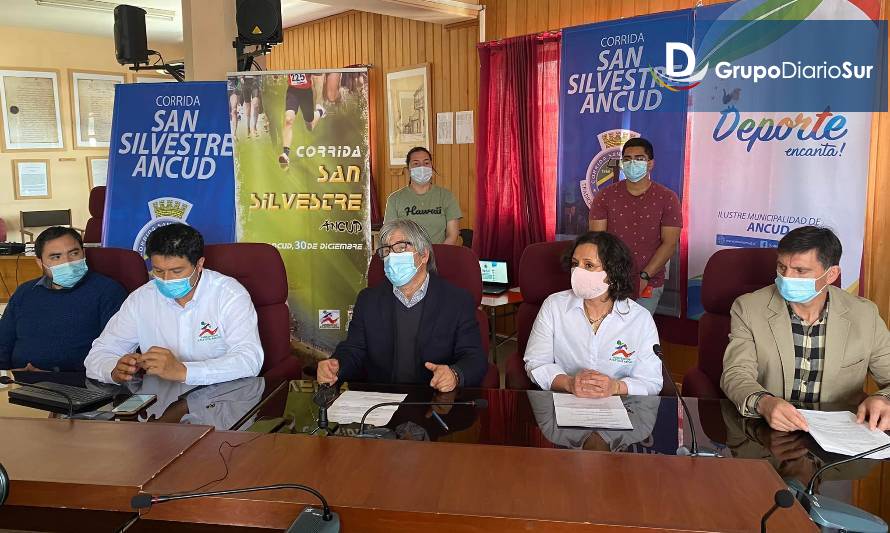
517 146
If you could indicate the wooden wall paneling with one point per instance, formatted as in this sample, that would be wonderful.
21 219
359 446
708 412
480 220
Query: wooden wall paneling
552 7
642 7
520 13
577 13
513 25
469 220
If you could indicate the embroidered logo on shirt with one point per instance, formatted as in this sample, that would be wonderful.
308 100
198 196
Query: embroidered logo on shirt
328 319
621 355
208 332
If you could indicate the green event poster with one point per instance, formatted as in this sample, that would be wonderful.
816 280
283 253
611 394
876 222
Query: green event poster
302 178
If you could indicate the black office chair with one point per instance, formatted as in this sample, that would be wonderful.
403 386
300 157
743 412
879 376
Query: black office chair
44 219
466 236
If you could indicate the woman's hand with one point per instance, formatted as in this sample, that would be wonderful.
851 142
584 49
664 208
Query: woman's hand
593 384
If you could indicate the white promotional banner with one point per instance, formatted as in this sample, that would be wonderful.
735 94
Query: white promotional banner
755 176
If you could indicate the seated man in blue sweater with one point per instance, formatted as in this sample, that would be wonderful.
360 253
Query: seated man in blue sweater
50 323
418 328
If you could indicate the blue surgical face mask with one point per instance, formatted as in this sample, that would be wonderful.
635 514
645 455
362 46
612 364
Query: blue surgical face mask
798 290
399 268
421 175
635 170
175 288
68 274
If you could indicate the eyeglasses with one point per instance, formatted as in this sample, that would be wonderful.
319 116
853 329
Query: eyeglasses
640 158
397 247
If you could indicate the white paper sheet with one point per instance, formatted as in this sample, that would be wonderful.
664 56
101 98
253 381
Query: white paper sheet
838 432
445 128
601 413
463 127
349 407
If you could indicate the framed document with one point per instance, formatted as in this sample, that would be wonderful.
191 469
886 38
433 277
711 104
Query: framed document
408 111
30 104
152 78
92 104
31 179
97 171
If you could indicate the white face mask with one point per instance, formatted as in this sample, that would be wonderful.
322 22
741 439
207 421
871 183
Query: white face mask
588 285
421 175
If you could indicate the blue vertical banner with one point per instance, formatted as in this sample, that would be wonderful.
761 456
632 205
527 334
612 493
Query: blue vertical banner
170 161
611 91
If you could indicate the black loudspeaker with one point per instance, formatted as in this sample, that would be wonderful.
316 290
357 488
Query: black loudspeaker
259 21
130 41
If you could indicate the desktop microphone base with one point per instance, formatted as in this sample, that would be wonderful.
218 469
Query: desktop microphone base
701 452
378 433
311 521
832 514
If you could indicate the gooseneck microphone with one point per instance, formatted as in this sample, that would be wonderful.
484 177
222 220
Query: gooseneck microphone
784 499
6 380
478 404
4 484
693 450
309 520
831 514
812 484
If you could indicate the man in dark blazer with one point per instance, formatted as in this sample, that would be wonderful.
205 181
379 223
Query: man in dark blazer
415 327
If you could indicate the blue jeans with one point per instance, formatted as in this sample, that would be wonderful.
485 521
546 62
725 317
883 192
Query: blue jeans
651 303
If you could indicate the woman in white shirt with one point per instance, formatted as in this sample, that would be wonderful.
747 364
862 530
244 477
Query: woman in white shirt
593 341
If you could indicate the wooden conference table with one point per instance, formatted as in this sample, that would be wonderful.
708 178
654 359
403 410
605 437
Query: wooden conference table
504 468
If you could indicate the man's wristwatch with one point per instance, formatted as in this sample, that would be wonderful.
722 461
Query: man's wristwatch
644 275
757 397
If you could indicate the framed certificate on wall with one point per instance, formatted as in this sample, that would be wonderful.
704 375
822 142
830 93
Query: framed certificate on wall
92 106
30 110
97 171
31 179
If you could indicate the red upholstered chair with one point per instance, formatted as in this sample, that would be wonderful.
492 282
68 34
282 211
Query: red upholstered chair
540 275
124 266
459 266
259 268
729 274
93 232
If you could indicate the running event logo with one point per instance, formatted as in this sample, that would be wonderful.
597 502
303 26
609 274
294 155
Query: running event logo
621 355
164 211
328 319
208 332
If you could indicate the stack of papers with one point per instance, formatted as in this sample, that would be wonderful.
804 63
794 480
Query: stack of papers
600 413
838 432
349 407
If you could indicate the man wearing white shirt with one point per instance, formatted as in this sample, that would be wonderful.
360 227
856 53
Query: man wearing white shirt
593 341
191 324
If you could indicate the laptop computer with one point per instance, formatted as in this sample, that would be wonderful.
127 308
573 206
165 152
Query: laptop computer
494 277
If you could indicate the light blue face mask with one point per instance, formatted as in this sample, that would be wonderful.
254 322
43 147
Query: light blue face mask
68 274
421 175
635 170
399 268
175 288
798 290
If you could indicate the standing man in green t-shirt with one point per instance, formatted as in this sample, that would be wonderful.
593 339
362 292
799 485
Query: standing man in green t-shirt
434 208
